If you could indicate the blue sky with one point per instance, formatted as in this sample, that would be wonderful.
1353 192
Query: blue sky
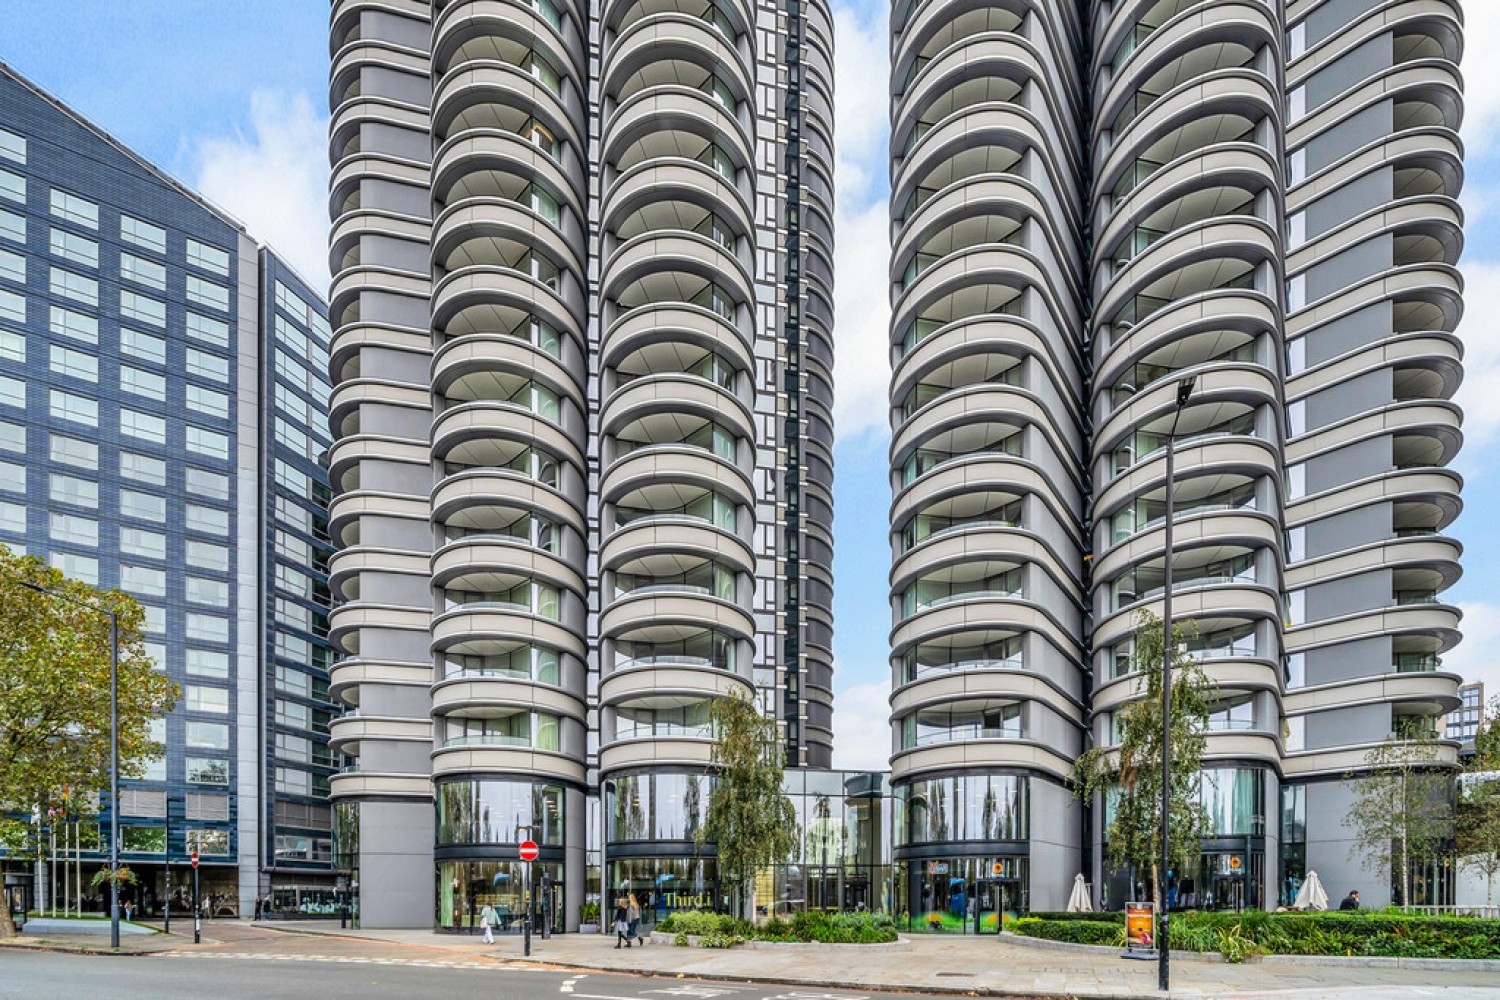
231 98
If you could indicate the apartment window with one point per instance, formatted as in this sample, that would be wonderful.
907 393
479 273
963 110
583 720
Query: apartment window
67 323
200 590
143 234
13 438
1296 733
71 406
12 477
12 306
208 735
298 748
143 271
144 839
202 483
75 364
156 652
207 770
209 401
201 698
12 186
156 619
207 519
208 555
143 383
207 365
208 258
206 442
143 506
74 530
12 391
72 451
12 226
72 490
207 663
140 542
12 346
143 468
143 580
12 267
210 331
74 286
207 628
12 146
206 293
209 843
143 308
207 807
143 426
71 246
12 517
75 209
79 567
291 781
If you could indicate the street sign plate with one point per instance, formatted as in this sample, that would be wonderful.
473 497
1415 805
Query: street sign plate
194 859
529 851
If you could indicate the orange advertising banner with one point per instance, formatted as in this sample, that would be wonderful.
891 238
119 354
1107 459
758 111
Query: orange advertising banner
1140 926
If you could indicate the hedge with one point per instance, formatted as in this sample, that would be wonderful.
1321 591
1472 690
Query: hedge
825 928
1373 934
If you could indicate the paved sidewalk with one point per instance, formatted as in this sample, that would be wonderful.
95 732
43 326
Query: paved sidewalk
979 966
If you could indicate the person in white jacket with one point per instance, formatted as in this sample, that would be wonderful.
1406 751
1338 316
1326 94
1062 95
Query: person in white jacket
488 920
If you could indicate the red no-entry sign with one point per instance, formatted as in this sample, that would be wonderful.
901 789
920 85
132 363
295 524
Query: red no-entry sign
194 859
529 851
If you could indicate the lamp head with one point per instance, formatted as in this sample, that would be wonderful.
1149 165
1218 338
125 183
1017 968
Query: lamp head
1184 390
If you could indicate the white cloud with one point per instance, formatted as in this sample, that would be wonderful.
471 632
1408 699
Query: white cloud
1481 72
1479 395
862 237
275 179
1474 659
862 728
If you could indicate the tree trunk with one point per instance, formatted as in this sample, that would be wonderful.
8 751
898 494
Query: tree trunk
7 925
1156 896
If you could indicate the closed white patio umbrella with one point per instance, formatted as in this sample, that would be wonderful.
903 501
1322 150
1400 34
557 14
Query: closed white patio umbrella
1311 896
1078 902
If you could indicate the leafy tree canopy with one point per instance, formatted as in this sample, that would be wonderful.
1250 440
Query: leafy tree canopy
750 819
55 694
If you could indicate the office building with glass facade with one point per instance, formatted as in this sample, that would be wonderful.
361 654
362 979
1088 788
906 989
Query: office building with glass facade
582 310
163 388
1092 203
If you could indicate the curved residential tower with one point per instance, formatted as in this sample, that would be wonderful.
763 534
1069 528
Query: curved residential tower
583 356
1238 232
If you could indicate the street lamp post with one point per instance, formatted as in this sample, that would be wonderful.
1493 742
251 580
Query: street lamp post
1163 952
114 752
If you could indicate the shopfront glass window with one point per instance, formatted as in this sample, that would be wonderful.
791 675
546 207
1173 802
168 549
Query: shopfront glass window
969 807
465 888
1235 800
499 812
658 806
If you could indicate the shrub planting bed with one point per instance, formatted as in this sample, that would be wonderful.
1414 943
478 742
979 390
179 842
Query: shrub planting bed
717 930
1373 934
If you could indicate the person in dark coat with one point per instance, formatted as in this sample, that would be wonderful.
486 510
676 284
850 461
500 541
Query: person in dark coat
1351 901
622 923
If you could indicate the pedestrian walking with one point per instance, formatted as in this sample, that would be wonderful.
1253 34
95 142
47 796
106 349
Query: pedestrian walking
622 923
488 918
1351 901
633 919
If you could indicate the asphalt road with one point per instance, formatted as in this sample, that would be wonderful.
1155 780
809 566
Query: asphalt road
47 975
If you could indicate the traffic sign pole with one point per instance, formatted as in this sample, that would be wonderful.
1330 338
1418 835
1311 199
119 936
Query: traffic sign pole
197 910
528 852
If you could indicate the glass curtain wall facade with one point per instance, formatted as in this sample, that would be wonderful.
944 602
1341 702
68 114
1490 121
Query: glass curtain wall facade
134 330
1092 203
582 466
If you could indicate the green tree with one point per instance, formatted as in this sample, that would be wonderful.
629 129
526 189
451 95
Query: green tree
1129 774
55 694
1478 819
1402 814
750 820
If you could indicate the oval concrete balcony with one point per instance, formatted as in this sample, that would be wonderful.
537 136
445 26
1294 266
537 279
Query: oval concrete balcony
672 107
471 421
627 613
463 693
672 36
689 536
478 623
1243 528
508 761
982 544
479 489
969 685
465 234
347 732
468 562
656 752
1239 601
968 755
479 354
472 288
366 785
678 463
674 179
347 674
654 323
635 683
474 84
1240 674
